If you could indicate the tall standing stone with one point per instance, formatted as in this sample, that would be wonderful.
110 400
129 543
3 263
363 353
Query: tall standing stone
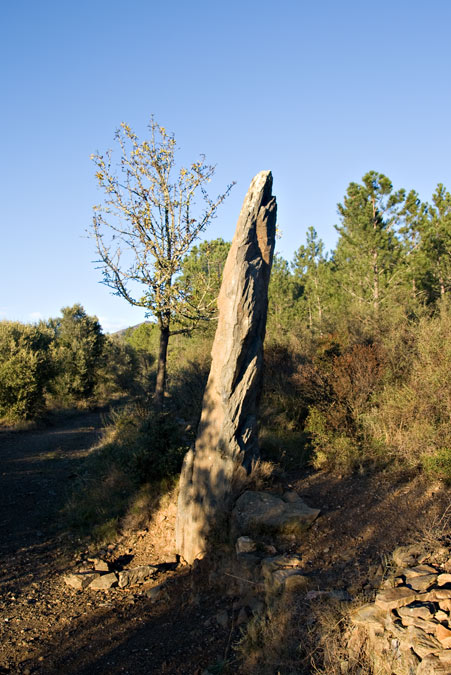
227 435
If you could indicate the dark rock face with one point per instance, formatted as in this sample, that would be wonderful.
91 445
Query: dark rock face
227 436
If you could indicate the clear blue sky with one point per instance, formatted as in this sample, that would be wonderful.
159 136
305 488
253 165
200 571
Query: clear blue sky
318 92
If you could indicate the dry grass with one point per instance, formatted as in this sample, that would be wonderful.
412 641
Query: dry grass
302 637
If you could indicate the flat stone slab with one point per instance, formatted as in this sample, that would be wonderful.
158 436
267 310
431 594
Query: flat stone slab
104 582
261 511
427 626
417 571
417 609
444 635
392 598
422 583
136 575
80 581
444 579
369 614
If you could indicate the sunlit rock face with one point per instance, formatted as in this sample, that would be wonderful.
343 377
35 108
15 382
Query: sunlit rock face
227 436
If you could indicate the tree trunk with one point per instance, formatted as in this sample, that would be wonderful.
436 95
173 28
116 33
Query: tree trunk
161 368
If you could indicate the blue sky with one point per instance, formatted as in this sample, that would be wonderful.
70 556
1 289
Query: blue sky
318 92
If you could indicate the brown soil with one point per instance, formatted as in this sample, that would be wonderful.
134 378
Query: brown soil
47 627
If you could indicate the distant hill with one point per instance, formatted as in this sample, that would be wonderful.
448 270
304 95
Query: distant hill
123 331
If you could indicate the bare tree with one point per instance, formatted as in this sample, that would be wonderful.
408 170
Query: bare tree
147 224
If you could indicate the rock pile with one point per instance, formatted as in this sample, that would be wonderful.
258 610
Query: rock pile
102 579
408 627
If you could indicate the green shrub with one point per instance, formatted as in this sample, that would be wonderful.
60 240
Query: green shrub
336 422
438 465
25 370
412 417
78 349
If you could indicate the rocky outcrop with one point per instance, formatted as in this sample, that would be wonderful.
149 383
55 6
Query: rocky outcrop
227 436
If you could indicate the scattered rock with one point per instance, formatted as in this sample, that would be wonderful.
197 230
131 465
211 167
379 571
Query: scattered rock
99 564
245 545
104 582
80 581
136 575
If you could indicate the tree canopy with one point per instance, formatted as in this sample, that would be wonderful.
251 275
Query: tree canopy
151 215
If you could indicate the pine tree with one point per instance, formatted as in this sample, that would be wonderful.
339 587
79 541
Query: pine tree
368 256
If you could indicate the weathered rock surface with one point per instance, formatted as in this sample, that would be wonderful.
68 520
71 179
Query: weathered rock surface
260 511
104 582
227 435
136 575
79 581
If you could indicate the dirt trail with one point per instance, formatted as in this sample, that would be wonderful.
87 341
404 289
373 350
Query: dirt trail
36 469
48 628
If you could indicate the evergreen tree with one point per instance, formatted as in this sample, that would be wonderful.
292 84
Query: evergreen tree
312 271
283 298
436 241
368 255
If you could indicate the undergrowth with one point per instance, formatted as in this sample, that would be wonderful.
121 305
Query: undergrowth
136 463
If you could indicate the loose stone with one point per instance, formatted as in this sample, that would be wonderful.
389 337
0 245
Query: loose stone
392 598
104 582
79 581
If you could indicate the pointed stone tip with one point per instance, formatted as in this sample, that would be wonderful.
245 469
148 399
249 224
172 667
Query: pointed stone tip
261 178
261 185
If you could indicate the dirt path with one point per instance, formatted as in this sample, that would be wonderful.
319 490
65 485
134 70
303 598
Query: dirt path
36 469
46 627
49 628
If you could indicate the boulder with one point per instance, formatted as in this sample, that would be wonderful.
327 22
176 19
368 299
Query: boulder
263 512
227 442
